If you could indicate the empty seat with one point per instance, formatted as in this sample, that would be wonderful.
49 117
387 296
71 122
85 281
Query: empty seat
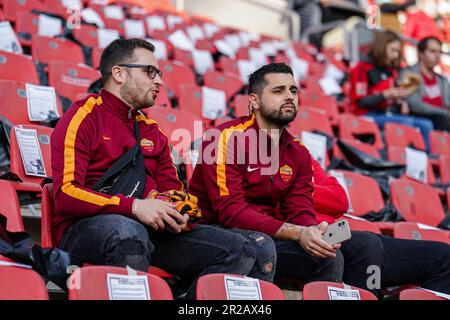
46 49
398 155
444 169
240 105
326 103
418 294
355 128
416 202
87 35
21 284
413 231
9 207
403 136
31 183
71 79
27 25
364 192
212 287
174 75
191 99
11 7
17 67
228 83
362 225
318 290
90 283
440 142
312 120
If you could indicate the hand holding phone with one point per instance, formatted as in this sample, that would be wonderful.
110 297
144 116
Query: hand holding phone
337 232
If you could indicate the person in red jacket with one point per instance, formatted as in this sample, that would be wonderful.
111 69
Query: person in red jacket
292 199
128 229
430 260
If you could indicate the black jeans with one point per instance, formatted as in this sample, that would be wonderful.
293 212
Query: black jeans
112 239
401 262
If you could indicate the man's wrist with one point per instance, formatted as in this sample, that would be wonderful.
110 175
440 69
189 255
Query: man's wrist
134 207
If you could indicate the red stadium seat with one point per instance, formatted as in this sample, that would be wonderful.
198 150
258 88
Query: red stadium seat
90 283
363 147
9 207
440 142
361 225
96 55
15 108
87 35
418 294
163 98
17 67
21 284
352 127
31 183
190 99
318 290
228 66
326 103
212 287
174 75
228 83
364 193
444 169
183 56
170 120
70 79
241 105
46 49
312 120
412 231
11 7
403 136
416 202
26 27
398 155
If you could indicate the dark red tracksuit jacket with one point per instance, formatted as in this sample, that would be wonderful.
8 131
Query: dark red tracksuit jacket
238 195
89 138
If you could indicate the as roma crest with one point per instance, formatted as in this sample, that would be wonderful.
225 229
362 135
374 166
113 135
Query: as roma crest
147 145
286 173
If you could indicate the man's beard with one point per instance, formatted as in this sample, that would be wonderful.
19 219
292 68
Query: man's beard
133 96
276 116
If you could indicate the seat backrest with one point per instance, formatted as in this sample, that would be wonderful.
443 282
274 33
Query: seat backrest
90 283
174 75
318 290
364 192
47 209
17 67
191 99
363 147
241 105
9 207
163 98
412 231
228 66
27 25
170 120
440 142
44 138
418 294
87 35
310 119
183 56
416 202
21 284
46 49
71 79
444 168
15 107
352 126
398 155
326 103
212 287
403 136
11 7
228 83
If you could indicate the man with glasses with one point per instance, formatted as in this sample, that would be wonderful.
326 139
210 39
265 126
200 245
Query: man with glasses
116 229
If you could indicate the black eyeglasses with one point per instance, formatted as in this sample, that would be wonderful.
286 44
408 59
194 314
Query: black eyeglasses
152 71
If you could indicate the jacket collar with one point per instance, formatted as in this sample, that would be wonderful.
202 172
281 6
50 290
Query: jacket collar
285 138
118 106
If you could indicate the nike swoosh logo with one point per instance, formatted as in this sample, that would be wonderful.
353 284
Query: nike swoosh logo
249 169
106 138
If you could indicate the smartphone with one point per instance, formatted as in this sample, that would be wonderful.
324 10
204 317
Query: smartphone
337 232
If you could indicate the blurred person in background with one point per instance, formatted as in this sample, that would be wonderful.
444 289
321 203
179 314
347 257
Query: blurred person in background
432 100
376 91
